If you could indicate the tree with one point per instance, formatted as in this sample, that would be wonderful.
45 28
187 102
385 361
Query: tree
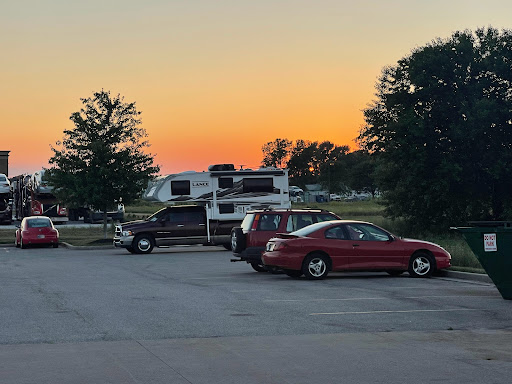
276 153
442 124
102 158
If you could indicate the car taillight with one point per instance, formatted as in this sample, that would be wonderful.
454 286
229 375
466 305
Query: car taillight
255 222
62 211
37 208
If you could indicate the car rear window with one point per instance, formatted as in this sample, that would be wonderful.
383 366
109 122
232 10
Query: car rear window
38 223
3 178
325 217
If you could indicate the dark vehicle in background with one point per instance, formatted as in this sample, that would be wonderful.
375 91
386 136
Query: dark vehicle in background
248 241
36 230
352 246
5 210
175 225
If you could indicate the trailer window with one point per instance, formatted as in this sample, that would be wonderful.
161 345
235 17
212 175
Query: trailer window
263 184
180 187
225 182
227 208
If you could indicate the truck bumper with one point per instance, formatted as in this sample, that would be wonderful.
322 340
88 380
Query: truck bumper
123 242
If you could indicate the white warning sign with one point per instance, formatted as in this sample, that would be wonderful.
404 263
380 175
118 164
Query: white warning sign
490 242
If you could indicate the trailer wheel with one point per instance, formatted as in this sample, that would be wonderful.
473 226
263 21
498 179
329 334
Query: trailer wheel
143 244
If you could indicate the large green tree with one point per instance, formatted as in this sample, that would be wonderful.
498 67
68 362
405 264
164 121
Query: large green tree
442 122
102 159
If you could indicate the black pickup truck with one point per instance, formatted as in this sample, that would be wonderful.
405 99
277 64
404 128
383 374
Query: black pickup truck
176 225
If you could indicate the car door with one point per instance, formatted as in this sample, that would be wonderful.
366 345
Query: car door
339 247
373 248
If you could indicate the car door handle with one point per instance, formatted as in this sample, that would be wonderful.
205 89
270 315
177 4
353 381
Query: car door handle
355 245
180 225
202 225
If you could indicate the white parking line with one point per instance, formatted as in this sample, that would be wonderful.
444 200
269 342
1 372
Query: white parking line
409 311
382 298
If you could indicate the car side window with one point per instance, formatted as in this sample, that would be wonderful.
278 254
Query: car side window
269 222
335 233
325 217
298 221
366 232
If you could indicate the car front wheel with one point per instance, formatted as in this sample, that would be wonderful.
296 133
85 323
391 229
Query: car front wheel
143 244
315 267
258 267
421 265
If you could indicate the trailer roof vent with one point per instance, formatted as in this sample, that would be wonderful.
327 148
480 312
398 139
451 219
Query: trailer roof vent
221 167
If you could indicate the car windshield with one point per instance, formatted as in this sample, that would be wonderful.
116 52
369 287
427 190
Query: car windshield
306 231
38 223
157 215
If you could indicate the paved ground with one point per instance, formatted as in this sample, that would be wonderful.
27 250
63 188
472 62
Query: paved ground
188 315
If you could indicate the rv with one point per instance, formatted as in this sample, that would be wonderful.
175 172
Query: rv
228 193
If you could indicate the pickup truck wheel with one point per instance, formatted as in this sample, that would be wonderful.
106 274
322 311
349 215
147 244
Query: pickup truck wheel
143 244
237 240
130 249
227 246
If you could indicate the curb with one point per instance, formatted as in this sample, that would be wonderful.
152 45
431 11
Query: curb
481 277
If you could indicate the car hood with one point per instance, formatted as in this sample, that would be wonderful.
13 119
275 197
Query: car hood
421 242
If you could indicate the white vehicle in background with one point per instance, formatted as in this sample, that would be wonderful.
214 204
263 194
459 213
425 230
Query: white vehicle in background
335 197
296 194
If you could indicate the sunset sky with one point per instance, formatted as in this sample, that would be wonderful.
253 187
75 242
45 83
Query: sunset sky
215 80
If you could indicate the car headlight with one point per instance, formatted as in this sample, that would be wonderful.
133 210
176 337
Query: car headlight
127 233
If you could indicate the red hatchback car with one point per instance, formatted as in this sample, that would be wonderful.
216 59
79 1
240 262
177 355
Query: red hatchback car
345 245
36 230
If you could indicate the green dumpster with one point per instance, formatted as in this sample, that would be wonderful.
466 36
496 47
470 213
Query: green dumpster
491 242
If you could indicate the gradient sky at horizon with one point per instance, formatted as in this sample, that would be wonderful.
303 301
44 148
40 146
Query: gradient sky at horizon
215 80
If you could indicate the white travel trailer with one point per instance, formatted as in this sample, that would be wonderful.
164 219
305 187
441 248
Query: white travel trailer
227 193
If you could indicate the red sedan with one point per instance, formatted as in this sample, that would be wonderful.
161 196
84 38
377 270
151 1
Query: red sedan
344 245
36 230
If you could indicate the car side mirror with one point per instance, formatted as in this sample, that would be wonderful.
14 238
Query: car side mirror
18 226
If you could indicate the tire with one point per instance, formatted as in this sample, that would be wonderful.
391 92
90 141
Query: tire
130 249
237 240
258 267
22 245
227 246
421 264
394 272
315 266
16 243
56 245
143 244
293 273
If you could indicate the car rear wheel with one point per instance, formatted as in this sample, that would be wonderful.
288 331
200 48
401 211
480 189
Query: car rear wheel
315 267
143 244
56 245
22 245
237 240
421 264
258 267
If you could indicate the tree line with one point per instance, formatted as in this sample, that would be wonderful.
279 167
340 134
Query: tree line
333 166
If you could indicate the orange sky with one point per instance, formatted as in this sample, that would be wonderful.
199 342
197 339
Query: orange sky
215 80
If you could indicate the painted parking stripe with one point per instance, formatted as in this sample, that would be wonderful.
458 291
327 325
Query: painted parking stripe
378 312
383 298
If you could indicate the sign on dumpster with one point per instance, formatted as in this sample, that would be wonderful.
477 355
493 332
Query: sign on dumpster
490 242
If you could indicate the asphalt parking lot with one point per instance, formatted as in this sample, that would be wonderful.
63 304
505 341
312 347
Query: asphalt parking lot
188 315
